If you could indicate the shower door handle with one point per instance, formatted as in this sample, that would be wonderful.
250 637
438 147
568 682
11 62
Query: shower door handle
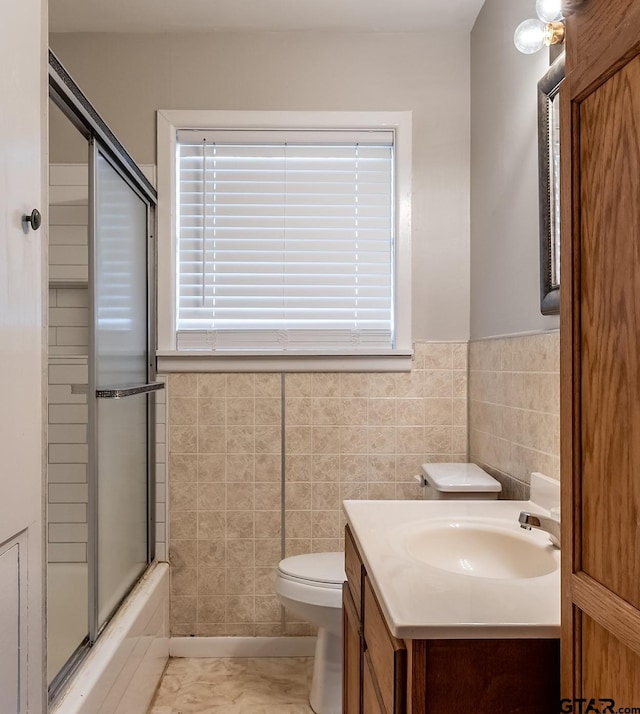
121 392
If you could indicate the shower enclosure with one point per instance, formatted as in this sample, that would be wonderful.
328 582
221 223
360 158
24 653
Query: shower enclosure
100 514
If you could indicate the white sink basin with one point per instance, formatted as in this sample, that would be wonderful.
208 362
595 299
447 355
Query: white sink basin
481 549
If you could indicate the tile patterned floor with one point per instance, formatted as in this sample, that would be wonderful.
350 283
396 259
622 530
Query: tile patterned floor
278 685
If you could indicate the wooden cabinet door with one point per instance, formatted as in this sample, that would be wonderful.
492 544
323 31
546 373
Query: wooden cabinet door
600 338
352 650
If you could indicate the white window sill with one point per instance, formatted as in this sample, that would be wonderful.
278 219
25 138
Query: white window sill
201 361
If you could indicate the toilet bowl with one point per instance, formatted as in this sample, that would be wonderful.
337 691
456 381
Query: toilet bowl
310 587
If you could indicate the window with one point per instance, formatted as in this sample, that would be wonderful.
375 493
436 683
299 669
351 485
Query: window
286 240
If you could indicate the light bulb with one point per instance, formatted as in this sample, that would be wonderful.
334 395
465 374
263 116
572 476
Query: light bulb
549 10
530 36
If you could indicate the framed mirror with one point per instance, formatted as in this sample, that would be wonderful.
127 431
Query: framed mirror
549 186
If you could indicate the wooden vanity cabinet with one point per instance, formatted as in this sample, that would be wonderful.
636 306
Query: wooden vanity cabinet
386 675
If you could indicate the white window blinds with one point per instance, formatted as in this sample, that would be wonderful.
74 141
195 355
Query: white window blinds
285 241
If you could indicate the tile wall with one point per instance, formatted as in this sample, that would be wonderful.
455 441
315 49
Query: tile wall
514 408
345 436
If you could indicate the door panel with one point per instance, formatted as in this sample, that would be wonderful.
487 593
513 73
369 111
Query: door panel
22 120
120 354
609 668
610 318
10 627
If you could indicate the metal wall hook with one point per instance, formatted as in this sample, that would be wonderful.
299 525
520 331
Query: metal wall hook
34 220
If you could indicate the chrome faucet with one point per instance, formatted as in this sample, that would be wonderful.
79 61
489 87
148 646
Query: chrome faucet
544 523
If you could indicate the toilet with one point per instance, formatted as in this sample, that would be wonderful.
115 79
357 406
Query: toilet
310 586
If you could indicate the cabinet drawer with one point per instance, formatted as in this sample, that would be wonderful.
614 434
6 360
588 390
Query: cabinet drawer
388 655
354 569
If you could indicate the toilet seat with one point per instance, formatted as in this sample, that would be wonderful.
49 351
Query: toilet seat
317 569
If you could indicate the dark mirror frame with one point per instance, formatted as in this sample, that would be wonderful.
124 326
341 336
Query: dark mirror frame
548 88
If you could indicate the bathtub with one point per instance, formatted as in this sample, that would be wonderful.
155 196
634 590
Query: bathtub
121 672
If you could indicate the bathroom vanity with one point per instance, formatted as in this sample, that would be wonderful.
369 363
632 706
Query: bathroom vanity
418 639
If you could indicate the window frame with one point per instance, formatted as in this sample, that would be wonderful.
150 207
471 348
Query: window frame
169 122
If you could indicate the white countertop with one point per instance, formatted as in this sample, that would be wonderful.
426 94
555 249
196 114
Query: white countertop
425 602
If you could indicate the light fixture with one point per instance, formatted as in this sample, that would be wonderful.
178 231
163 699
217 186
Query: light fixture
549 10
532 35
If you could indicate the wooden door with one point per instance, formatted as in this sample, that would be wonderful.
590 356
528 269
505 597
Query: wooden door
600 356
23 33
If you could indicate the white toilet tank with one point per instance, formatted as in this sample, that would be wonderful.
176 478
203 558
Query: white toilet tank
450 481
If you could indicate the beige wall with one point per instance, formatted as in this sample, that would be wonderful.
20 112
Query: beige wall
346 436
514 416
505 292
129 77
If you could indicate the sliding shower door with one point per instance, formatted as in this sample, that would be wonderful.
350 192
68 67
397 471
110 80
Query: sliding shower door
122 376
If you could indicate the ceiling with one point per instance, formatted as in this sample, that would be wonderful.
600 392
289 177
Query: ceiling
260 15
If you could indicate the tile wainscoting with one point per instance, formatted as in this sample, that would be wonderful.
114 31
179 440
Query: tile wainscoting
514 408
232 494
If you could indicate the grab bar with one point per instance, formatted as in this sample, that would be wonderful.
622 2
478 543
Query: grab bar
120 392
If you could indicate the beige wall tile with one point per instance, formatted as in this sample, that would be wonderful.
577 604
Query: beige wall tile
183 609
268 495
241 385
240 467
211 440
268 467
211 609
354 385
240 581
183 525
211 553
514 405
268 385
183 411
240 524
212 385
211 582
298 385
183 553
326 439
350 435
438 384
183 385
298 439
353 411
268 440
382 412
268 411
240 411
183 440
381 440
381 385
353 467
184 581
211 467
437 355
183 496
183 467
381 467
240 440
324 467
325 385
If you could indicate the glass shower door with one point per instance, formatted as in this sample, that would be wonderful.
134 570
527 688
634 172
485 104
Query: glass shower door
123 389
